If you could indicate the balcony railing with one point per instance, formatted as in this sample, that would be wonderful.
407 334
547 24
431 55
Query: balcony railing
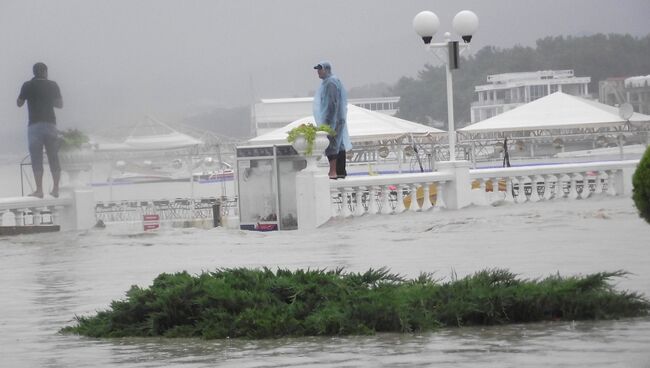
397 193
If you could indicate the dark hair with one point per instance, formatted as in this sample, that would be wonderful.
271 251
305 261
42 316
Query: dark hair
40 69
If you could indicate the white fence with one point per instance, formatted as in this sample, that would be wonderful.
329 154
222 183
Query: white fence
74 209
23 211
456 186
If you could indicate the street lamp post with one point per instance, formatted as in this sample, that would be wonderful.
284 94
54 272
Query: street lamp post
426 25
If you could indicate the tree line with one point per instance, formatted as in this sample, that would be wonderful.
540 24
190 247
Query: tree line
423 99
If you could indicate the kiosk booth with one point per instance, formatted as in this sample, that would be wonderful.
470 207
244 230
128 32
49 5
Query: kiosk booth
266 181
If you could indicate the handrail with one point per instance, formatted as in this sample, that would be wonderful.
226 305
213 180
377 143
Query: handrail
551 169
390 179
14 203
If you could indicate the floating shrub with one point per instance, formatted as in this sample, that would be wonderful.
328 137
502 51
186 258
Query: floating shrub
260 303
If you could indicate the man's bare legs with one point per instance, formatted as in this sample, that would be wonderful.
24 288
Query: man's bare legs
332 173
56 177
38 178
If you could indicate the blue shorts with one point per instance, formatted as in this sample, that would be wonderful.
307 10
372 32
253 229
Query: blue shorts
41 135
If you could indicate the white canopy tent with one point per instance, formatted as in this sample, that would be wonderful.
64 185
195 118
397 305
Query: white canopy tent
553 124
363 126
152 135
556 111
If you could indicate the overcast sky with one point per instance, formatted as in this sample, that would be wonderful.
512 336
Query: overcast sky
117 60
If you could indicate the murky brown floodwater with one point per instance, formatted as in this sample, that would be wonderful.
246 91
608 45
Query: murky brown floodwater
48 279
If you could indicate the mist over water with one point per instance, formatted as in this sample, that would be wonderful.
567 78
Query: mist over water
117 61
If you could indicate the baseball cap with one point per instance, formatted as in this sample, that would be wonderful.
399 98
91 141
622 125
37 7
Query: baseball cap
323 65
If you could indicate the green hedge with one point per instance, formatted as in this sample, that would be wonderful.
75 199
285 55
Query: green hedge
641 185
260 303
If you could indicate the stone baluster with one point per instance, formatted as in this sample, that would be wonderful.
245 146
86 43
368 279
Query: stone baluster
534 192
37 217
611 186
586 190
399 206
19 217
521 196
440 196
373 208
386 209
495 190
336 210
414 199
483 199
508 197
359 210
54 214
426 200
573 190
559 186
2 215
598 189
345 202
548 188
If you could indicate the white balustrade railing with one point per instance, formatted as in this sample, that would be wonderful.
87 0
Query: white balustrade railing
30 211
73 210
388 194
539 183
396 193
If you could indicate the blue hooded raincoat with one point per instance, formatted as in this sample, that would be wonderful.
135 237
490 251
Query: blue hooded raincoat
331 108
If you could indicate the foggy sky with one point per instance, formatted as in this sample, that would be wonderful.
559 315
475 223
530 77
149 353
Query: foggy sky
118 60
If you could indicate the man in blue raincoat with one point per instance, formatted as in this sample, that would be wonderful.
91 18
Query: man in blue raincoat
331 108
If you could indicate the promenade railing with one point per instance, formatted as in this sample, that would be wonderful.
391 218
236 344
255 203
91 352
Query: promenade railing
461 186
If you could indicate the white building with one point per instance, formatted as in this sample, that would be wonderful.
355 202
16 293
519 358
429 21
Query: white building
271 114
507 91
634 90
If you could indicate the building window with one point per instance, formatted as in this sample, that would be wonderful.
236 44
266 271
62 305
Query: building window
537 92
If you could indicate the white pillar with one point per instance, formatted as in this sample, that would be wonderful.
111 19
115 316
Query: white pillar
414 207
623 180
346 201
458 191
312 199
440 196
359 210
399 206
386 209
573 190
586 191
426 194
80 214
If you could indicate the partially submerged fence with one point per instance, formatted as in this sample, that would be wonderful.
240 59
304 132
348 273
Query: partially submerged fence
73 210
456 186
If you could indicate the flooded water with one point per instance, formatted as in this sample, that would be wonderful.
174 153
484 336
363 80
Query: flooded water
47 279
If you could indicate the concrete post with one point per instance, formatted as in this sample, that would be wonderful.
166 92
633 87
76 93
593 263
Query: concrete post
457 192
80 215
312 199
623 181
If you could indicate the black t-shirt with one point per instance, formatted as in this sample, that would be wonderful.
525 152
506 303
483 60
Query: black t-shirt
40 95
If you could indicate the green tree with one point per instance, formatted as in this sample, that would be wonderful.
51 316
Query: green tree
423 99
641 186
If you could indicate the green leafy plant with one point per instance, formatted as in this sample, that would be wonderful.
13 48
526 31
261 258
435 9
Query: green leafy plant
72 139
641 186
261 303
309 132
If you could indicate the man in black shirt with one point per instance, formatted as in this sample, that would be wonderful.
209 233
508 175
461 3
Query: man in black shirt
42 96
